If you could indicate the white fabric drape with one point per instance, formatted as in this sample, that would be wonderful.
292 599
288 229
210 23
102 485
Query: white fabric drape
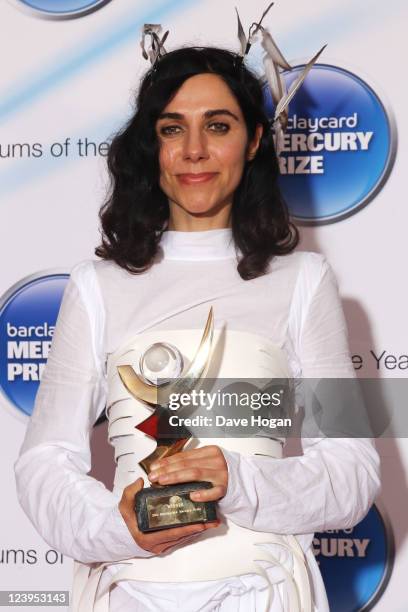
296 305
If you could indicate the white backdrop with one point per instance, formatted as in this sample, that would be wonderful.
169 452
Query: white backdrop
75 79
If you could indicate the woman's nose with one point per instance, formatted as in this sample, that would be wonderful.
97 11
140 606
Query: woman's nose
195 145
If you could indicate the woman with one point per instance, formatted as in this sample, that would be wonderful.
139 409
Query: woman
194 219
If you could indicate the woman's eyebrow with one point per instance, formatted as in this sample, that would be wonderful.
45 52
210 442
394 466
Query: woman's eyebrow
207 115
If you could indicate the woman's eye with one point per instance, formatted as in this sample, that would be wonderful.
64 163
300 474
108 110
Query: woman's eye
169 130
221 127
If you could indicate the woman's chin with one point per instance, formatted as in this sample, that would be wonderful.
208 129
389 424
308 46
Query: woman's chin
201 209
202 213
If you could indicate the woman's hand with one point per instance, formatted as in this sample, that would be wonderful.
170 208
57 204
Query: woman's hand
158 541
204 463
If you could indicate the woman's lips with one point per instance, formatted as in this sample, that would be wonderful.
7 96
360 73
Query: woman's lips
190 179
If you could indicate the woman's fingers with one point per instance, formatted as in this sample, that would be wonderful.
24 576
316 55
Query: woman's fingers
185 465
207 456
210 466
172 476
213 494
169 545
161 548
128 497
130 491
197 474
174 533
206 463
164 541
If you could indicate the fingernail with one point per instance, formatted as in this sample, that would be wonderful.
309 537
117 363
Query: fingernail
153 475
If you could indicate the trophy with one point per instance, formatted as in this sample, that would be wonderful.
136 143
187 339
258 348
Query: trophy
164 506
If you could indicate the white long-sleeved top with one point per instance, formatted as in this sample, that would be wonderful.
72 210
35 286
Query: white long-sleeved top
296 305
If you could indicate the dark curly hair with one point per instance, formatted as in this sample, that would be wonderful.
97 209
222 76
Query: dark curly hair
136 211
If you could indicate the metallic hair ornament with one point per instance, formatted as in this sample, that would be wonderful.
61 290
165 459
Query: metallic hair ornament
273 60
156 49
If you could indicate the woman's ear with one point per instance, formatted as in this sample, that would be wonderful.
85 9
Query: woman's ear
254 144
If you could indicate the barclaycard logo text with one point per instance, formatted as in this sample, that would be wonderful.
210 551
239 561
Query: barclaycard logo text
28 313
338 147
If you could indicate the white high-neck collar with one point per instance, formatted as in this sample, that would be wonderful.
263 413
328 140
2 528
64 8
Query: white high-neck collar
195 246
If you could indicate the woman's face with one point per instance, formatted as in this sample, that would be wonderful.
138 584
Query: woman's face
203 149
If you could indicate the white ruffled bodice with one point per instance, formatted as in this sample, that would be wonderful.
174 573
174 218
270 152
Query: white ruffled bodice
235 355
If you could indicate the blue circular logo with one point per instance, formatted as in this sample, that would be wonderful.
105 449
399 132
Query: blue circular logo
339 145
28 313
62 9
356 563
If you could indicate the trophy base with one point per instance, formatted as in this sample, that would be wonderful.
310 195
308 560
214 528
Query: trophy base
170 506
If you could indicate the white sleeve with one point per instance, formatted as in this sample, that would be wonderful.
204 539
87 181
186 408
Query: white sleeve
74 513
334 483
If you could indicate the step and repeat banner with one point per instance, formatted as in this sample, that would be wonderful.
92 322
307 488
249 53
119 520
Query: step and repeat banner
69 74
